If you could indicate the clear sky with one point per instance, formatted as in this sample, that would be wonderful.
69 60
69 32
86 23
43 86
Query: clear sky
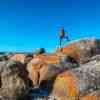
29 24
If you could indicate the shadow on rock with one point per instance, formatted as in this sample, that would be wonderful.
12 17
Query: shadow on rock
14 84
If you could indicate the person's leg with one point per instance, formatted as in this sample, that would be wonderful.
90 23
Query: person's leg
60 44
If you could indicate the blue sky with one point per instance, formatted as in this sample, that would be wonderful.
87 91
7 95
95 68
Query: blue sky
29 24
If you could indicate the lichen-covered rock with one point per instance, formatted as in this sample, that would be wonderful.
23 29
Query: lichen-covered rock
14 83
82 50
67 62
77 82
60 60
18 57
95 95
23 58
46 67
3 57
48 58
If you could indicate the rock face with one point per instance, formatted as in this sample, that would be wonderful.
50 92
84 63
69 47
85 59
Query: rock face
95 95
82 50
46 67
59 60
14 83
78 82
23 58
3 58
48 58
71 71
18 57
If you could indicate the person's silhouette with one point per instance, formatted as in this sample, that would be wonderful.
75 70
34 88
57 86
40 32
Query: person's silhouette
62 36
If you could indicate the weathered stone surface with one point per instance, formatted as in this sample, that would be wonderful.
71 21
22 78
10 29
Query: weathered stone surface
95 95
3 58
51 71
67 62
18 57
23 58
82 50
14 83
48 58
46 67
79 81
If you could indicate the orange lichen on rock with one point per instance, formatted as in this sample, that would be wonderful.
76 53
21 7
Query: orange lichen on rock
71 50
18 57
92 96
46 66
48 58
65 87
37 69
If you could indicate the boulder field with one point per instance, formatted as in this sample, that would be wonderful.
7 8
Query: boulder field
14 83
69 73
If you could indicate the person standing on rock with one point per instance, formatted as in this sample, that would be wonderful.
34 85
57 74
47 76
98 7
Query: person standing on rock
62 36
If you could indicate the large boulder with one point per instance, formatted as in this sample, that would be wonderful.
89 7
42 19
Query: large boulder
82 50
59 60
67 62
46 67
21 57
78 82
18 57
3 57
95 95
14 83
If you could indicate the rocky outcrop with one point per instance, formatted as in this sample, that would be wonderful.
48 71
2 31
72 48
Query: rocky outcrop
71 71
95 95
23 58
18 57
3 58
82 50
14 83
46 67
78 82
